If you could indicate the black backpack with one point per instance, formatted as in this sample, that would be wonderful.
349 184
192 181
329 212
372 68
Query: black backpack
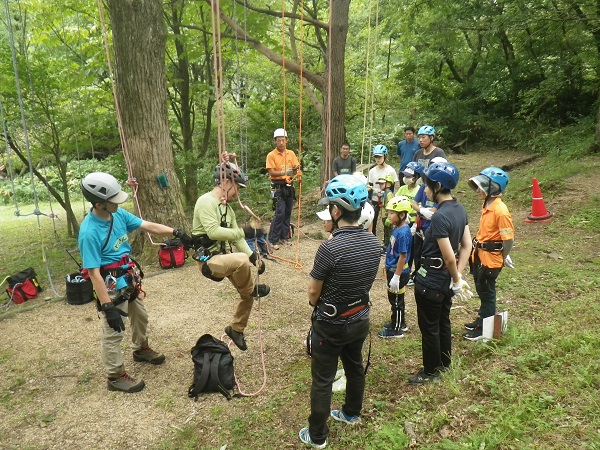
213 367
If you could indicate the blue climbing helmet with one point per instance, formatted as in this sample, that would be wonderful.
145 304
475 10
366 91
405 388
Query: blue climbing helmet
444 173
426 129
416 167
380 150
497 176
347 191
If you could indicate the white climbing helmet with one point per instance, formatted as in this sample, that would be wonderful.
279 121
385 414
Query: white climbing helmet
99 187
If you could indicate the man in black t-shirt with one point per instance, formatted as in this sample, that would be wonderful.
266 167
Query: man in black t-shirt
344 164
344 270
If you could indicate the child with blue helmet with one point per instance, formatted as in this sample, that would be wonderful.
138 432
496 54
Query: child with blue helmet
492 244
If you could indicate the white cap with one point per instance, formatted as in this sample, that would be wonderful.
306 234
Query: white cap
279 132
324 215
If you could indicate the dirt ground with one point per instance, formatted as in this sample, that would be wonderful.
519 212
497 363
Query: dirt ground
54 391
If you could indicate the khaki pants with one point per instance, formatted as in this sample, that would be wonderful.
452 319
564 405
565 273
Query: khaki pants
242 274
112 356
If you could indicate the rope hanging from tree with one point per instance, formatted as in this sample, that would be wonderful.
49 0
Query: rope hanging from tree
367 79
36 210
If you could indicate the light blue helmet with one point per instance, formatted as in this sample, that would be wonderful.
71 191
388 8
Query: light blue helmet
380 150
444 173
347 191
426 129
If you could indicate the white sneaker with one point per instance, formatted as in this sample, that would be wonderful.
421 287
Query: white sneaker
339 385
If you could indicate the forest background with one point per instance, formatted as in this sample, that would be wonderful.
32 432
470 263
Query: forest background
500 81
499 74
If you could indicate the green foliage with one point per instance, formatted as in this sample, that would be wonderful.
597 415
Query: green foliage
23 189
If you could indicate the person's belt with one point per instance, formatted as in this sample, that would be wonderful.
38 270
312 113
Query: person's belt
489 246
433 263
342 310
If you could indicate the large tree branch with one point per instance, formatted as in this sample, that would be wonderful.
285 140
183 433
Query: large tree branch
292 66
271 12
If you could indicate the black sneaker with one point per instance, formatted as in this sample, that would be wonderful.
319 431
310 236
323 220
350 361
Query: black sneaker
474 335
125 383
261 290
237 338
422 378
471 325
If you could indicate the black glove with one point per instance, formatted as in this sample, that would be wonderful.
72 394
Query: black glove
186 240
259 263
113 316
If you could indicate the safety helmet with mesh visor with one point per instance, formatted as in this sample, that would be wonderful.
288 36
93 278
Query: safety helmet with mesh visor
444 173
426 129
380 150
347 191
491 180
230 171
279 132
400 203
100 187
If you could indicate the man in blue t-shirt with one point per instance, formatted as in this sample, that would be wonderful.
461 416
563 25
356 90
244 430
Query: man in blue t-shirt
104 245
407 148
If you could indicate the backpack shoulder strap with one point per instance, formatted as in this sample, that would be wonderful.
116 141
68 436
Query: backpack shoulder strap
196 388
214 376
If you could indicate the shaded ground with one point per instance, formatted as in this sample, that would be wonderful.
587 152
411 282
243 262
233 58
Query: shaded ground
54 392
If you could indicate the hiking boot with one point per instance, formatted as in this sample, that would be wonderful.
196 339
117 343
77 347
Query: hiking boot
146 354
475 334
125 383
261 290
237 338
304 436
388 333
339 415
471 325
422 378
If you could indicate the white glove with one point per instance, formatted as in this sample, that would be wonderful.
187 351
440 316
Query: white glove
508 262
289 172
395 284
426 212
413 229
462 290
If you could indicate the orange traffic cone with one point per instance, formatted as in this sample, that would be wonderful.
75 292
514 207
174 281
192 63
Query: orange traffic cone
539 213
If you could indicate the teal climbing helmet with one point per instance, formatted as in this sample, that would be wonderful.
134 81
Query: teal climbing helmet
380 150
426 129
347 191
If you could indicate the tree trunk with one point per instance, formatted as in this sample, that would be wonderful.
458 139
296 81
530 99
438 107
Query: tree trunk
334 131
139 37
